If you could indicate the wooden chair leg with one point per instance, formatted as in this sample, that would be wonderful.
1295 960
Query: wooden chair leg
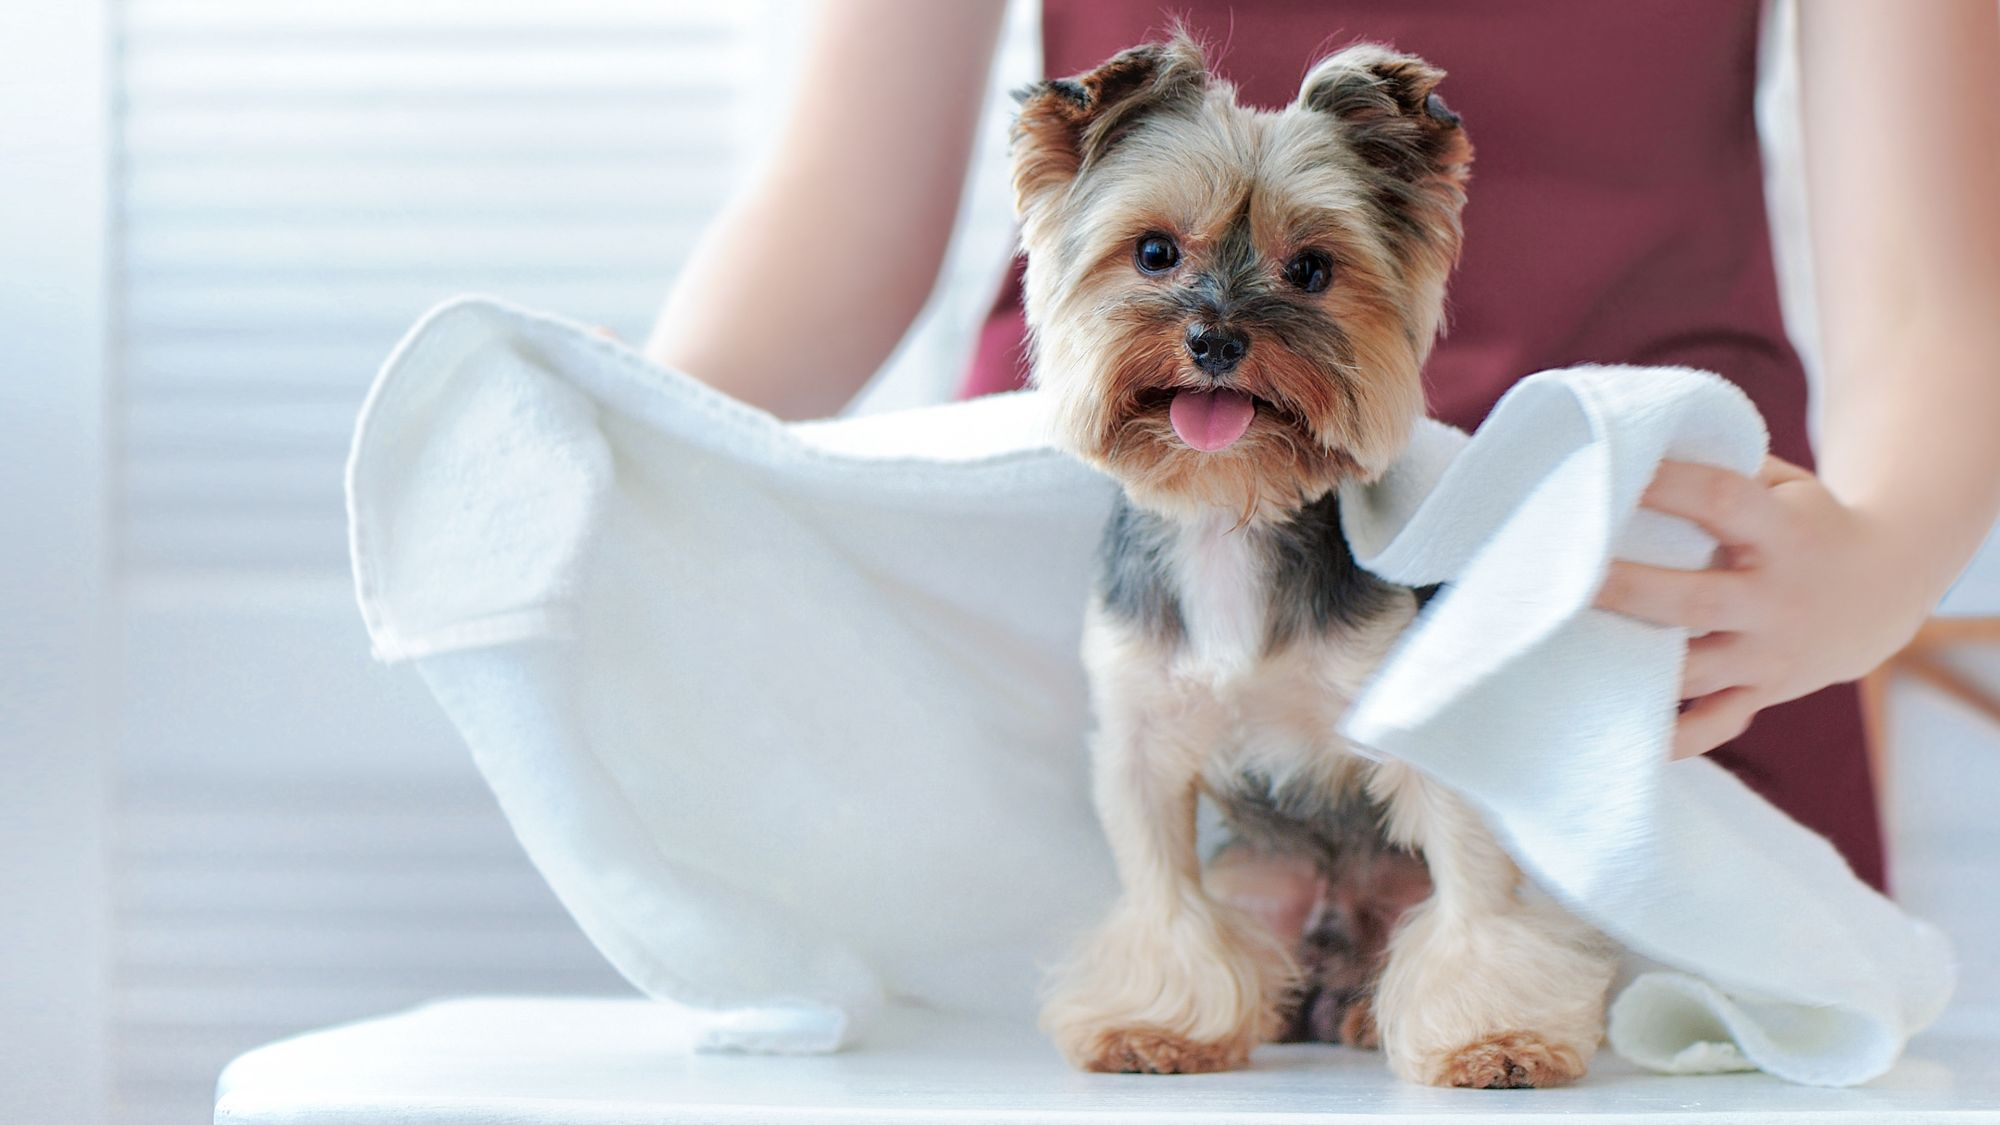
1922 660
1928 668
1875 729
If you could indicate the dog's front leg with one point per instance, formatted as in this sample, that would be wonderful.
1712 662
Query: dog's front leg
1173 981
1485 986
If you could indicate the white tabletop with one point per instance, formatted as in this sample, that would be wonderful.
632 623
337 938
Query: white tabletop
614 1062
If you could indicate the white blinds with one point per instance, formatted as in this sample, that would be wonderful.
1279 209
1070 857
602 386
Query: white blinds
297 181
300 180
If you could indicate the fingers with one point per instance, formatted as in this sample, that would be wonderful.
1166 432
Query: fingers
1743 516
1700 601
1777 470
1716 604
1735 509
1713 720
1716 662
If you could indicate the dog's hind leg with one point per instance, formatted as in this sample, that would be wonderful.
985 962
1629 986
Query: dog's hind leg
1329 886
1484 987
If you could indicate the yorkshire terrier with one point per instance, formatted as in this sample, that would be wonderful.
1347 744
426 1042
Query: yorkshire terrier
1229 311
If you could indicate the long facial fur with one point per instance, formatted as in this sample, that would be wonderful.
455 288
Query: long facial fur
1367 166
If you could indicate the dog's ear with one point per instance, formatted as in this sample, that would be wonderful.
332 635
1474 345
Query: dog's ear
1389 105
1066 124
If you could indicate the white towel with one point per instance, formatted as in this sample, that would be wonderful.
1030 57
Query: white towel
792 720
1557 719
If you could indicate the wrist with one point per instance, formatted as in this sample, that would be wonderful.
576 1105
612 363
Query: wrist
1905 564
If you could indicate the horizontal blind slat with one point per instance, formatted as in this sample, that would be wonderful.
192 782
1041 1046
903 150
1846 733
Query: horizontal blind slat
312 71
144 19
681 123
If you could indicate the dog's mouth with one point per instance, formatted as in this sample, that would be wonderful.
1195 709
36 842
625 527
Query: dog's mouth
1213 419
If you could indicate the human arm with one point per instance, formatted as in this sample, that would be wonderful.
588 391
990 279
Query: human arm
1821 578
805 283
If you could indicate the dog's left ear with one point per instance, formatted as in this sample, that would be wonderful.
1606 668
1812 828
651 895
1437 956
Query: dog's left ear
1066 124
1391 109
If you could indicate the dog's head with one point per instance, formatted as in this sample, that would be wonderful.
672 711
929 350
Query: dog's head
1231 307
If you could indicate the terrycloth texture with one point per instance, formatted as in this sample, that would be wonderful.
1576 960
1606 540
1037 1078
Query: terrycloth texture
792 720
1557 719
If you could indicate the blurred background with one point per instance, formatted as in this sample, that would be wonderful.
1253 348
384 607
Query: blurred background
219 821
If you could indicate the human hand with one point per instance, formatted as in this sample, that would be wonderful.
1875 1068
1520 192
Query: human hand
1804 591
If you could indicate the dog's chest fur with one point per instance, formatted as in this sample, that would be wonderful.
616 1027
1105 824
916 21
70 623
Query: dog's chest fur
1261 634
1223 599
1219 585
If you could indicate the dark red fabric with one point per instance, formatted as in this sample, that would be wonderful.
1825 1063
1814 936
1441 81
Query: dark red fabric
1616 215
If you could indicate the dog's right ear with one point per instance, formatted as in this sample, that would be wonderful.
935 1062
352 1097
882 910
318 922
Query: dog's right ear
1066 124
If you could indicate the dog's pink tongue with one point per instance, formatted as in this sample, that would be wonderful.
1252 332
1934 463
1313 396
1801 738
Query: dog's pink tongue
1211 420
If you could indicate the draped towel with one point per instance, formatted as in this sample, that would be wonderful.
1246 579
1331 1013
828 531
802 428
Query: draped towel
792 720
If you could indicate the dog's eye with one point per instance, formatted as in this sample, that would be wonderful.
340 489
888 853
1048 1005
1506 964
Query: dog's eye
1157 253
1310 270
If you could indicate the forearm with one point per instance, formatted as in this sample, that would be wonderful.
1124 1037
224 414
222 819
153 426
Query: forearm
1910 437
1902 131
804 285
789 306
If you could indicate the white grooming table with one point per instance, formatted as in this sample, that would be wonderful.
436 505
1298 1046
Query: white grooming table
622 1062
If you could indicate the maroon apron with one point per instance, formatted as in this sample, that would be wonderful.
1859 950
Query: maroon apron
1616 215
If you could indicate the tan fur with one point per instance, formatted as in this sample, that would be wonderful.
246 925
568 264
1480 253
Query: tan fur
1511 1061
1477 961
1358 1028
1169 961
1190 167
1480 959
1483 987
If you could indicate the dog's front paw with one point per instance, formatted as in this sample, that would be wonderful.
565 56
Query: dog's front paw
1510 1061
1506 1000
1184 992
1151 1050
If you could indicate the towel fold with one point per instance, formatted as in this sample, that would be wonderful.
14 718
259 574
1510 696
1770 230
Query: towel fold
791 717
1557 719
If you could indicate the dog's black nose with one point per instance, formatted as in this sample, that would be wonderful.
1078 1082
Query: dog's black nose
1217 350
